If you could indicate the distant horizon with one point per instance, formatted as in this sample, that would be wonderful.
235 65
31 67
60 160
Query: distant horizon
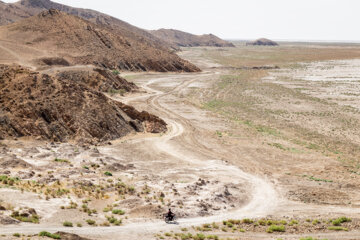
306 20
297 40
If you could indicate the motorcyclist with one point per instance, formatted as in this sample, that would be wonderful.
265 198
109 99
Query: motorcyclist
170 215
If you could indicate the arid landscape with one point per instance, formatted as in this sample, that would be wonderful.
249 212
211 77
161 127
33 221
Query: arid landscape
104 127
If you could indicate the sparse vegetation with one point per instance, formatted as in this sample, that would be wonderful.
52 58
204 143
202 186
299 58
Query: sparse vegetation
49 235
337 228
276 228
118 211
91 222
339 221
61 160
67 224
31 218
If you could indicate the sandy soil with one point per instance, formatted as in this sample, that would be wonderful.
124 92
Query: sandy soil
203 177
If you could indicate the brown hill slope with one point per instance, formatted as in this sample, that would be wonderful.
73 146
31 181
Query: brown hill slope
61 109
57 34
184 39
12 12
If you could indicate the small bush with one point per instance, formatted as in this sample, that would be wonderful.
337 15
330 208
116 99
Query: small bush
61 160
199 236
339 221
293 222
283 222
49 235
215 237
32 218
229 224
215 226
67 224
108 174
118 211
247 221
16 235
90 222
276 228
262 222
338 228
315 222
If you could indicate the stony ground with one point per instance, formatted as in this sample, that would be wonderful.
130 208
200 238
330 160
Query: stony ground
231 152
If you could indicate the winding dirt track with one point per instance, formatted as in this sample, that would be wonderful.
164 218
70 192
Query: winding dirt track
264 198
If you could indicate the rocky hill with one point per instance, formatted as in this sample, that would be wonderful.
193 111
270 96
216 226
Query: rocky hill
72 40
183 39
262 42
12 12
61 109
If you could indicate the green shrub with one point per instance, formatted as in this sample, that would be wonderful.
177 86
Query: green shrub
247 221
229 224
283 222
90 222
215 237
315 222
293 222
16 235
339 221
338 228
184 236
30 219
276 228
67 224
49 235
262 222
61 160
118 211
199 236
108 174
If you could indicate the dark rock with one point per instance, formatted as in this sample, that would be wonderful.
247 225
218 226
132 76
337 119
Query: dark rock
262 42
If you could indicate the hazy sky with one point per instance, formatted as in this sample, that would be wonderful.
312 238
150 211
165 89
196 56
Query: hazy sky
239 19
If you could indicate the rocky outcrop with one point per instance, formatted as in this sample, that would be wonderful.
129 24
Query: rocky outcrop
70 236
60 109
184 39
6 220
262 42
99 79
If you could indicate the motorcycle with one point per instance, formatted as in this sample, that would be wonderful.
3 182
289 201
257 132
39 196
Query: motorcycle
170 219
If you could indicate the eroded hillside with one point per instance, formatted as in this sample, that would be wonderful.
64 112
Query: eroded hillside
61 109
